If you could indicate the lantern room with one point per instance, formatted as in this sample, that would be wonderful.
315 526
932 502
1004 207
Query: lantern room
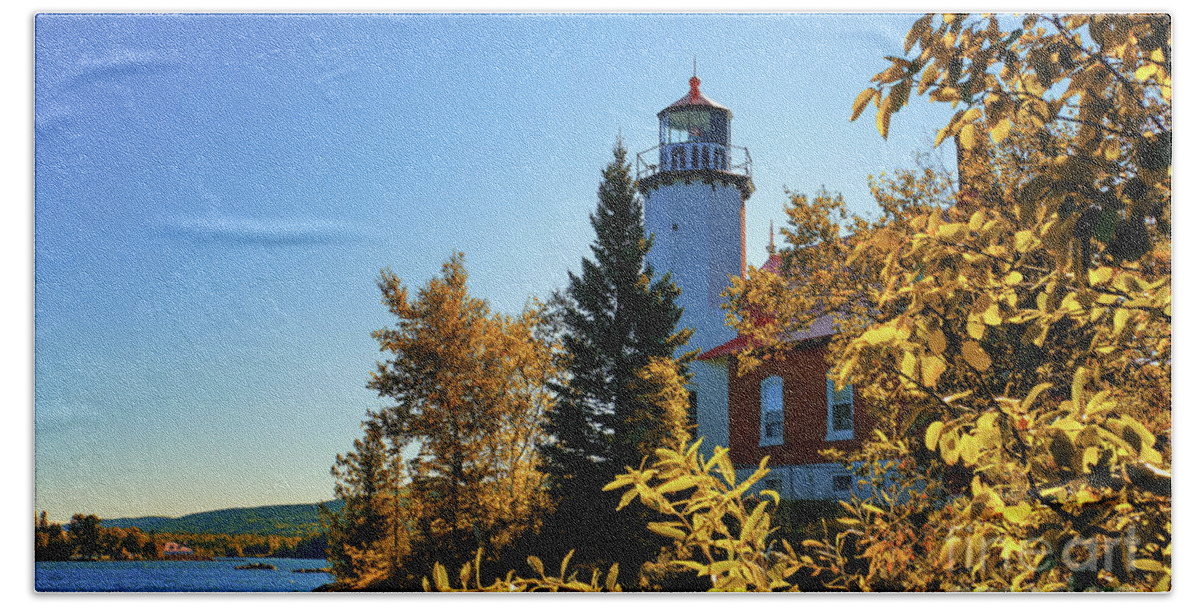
694 133
693 142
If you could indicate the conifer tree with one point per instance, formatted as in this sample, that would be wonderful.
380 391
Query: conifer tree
366 482
616 317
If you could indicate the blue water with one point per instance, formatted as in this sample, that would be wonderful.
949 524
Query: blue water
157 576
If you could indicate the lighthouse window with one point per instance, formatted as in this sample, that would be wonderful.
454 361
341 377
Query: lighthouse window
688 125
770 392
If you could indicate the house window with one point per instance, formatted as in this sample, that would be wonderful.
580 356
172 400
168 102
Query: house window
840 423
774 484
841 483
770 392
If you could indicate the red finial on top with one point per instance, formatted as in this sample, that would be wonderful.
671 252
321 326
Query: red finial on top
695 82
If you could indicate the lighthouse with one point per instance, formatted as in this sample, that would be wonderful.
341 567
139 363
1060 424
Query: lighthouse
695 185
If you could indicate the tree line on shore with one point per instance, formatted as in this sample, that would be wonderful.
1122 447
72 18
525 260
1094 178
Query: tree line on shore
85 539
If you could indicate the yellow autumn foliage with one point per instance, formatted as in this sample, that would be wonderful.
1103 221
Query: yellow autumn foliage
1018 322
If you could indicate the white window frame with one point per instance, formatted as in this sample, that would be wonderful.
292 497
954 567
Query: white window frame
763 440
832 434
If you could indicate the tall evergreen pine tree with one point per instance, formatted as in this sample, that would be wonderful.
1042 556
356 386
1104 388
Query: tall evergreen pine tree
615 316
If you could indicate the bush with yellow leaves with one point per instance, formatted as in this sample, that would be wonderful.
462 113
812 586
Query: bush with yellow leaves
710 517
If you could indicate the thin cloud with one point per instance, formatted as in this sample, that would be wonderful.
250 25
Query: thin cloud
250 231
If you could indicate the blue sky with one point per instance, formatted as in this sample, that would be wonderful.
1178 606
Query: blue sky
215 195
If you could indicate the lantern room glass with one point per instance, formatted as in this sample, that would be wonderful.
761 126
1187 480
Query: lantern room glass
694 124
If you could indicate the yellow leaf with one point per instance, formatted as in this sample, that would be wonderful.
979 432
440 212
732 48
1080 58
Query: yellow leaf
1018 514
949 447
976 356
1120 318
1145 72
1148 565
931 369
967 136
1070 304
752 522
464 574
1013 278
681 483
1000 131
879 335
1132 425
908 366
726 468
988 437
562 570
1098 402
626 498
860 103
536 564
663 529
941 135
937 341
610 581
1033 394
976 221
1164 583
616 483
968 449
882 119
951 232
932 434
975 327
991 316
440 580
1025 241
1091 456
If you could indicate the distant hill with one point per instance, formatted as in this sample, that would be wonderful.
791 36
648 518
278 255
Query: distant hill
281 520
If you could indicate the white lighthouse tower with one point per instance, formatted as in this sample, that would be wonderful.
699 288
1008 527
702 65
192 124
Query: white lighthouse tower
695 186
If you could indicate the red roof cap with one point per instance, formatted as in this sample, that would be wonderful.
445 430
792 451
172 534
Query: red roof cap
696 98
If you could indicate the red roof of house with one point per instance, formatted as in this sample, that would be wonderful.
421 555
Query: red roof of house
729 348
773 264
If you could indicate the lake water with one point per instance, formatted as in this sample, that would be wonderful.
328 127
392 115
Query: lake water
157 576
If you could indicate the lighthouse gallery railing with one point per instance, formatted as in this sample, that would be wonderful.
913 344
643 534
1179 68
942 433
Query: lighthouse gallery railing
691 156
